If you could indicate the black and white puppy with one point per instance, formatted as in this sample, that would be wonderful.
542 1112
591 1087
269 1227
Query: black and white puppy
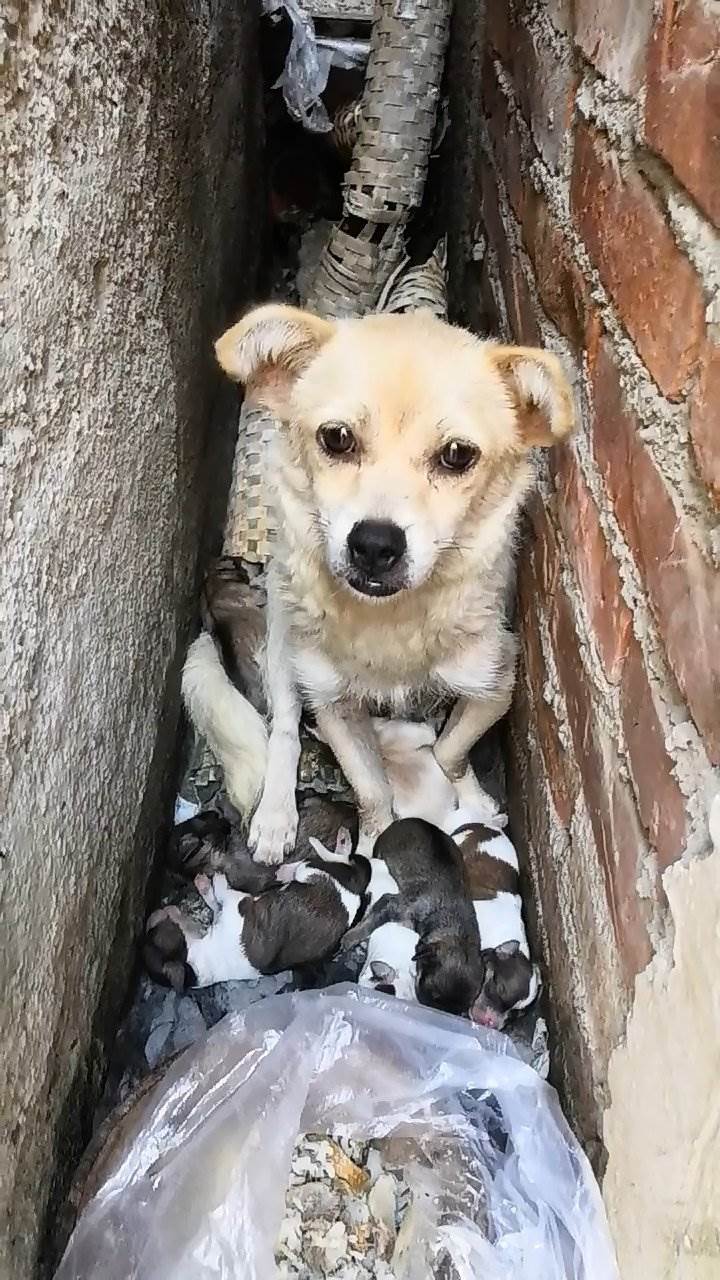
432 899
284 927
512 982
390 962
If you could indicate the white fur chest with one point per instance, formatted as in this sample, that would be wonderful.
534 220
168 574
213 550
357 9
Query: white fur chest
393 652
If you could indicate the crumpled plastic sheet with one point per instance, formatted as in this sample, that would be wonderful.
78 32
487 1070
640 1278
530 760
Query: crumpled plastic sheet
307 66
196 1189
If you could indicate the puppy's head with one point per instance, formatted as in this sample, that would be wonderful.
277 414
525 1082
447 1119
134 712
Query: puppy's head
165 956
447 978
511 985
411 436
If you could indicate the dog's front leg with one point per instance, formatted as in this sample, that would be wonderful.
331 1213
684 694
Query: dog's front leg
350 735
274 825
484 678
387 910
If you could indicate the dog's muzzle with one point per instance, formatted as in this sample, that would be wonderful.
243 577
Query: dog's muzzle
377 558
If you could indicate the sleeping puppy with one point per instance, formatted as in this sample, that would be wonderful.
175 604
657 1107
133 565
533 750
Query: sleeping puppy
287 926
209 843
231 612
512 982
390 962
432 900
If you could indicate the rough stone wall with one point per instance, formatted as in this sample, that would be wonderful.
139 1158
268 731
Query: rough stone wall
587 222
129 157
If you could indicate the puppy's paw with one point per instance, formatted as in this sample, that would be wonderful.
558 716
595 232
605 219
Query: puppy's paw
203 885
273 831
165 913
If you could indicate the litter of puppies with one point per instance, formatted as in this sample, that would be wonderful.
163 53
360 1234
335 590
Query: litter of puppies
455 896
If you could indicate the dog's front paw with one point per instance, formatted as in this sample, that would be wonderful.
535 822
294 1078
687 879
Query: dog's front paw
273 831
452 767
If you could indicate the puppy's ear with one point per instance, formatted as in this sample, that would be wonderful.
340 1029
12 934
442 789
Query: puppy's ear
540 393
268 350
507 950
382 972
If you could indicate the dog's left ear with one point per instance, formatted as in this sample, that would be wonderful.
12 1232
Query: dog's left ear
268 350
540 393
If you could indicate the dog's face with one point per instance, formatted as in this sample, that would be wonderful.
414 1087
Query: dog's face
510 986
447 979
412 436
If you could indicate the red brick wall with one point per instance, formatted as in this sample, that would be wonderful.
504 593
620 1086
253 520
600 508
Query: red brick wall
596 190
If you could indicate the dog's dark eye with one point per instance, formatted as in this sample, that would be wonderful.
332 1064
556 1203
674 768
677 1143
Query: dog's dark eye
336 439
457 456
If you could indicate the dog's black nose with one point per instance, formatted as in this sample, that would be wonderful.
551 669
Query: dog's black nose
375 546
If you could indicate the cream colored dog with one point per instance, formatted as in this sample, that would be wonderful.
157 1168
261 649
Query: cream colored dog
398 469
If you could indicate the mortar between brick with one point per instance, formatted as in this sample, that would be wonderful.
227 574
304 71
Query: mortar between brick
665 423
687 753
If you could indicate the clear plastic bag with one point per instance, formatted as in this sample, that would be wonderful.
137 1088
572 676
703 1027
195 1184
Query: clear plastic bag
196 1188
307 66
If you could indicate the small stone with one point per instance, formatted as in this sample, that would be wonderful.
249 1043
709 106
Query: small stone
382 1201
315 1200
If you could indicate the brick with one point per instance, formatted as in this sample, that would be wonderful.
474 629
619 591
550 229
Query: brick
536 582
614 35
586 1019
518 300
559 769
705 421
499 29
491 216
561 286
609 800
660 800
543 547
597 572
505 138
682 111
655 288
683 589
481 309
521 307
546 81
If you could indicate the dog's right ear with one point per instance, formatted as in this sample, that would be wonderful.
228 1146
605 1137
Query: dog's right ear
268 350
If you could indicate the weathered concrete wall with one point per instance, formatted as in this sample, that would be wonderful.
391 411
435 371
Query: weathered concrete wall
585 217
662 1186
130 133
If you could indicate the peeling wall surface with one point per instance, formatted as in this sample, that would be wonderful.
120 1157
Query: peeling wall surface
662 1129
129 133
